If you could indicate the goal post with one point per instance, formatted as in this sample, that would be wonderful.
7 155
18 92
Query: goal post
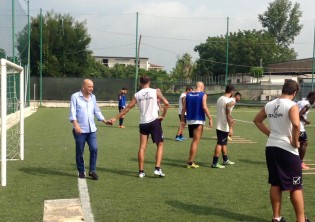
15 117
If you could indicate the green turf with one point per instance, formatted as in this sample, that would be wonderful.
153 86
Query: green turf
237 193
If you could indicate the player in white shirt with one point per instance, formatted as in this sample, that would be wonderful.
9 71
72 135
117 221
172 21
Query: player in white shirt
179 136
223 129
304 107
282 156
150 122
229 108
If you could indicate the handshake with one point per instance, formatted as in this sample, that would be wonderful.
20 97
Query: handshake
109 122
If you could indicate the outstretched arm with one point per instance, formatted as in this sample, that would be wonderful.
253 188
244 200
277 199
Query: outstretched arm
124 111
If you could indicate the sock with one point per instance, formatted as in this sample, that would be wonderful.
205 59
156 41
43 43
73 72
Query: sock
141 171
189 163
225 158
277 218
157 168
215 160
121 120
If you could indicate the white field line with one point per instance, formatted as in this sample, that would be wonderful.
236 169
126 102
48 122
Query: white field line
85 200
308 173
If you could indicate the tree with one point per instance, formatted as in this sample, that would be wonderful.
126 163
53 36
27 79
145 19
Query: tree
257 72
3 54
184 67
246 48
282 21
65 46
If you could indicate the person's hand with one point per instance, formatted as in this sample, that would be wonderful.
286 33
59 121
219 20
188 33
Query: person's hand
112 120
182 124
231 132
296 144
108 122
161 118
210 123
307 122
77 129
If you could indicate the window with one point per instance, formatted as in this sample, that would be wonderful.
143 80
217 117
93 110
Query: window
138 62
105 62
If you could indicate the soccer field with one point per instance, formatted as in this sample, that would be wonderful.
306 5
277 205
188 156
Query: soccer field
236 193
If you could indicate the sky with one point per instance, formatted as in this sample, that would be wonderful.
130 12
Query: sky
171 28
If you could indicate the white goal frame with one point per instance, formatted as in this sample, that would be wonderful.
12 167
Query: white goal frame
4 64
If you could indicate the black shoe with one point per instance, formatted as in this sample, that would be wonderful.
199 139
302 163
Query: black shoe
307 220
82 175
93 175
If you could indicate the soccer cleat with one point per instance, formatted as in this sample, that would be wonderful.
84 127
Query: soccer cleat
228 162
122 127
178 139
219 166
281 220
82 175
159 173
192 166
141 175
307 220
93 175
229 138
304 166
182 138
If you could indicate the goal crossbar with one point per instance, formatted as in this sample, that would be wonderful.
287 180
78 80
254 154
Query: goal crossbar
4 64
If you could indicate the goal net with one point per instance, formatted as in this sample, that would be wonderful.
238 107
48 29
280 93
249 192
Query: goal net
12 114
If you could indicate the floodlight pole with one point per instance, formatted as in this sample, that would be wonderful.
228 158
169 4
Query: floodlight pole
29 53
137 54
227 51
313 62
13 29
41 59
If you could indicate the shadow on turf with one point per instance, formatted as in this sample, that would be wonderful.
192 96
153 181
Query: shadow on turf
209 210
253 162
181 163
120 172
165 162
45 171
126 172
187 139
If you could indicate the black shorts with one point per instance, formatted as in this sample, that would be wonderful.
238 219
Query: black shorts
180 117
284 169
222 137
120 108
303 137
191 129
154 128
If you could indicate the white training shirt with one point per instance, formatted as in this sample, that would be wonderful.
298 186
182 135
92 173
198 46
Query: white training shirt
180 103
301 105
147 104
222 123
277 112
